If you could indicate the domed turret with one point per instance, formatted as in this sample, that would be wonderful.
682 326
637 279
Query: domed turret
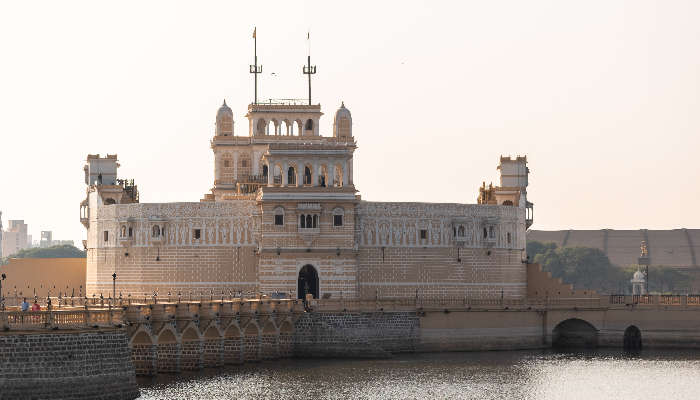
224 121
342 124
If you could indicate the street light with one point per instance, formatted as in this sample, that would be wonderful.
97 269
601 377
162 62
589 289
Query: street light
114 285
2 298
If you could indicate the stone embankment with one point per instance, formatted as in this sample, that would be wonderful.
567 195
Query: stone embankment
72 352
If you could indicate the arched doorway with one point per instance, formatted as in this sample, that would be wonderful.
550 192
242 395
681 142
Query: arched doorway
632 339
574 333
307 282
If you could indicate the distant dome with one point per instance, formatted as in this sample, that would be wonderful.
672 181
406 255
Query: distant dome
342 124
224 110
224 121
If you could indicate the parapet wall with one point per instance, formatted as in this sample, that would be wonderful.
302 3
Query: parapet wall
66 365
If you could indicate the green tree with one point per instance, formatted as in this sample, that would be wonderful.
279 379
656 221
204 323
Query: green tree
62 251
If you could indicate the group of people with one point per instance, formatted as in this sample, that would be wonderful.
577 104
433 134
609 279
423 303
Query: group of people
25 305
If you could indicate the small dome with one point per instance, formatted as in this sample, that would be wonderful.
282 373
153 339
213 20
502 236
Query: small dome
342 124
224 110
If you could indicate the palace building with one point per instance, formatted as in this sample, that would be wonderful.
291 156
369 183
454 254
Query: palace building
284 219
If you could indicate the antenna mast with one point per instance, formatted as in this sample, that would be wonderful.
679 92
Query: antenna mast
255 69
308 68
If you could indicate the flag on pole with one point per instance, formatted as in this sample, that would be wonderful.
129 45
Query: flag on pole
254 29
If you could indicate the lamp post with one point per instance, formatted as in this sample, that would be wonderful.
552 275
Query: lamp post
2 298
114 285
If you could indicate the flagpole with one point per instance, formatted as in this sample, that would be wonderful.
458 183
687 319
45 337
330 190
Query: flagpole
254 69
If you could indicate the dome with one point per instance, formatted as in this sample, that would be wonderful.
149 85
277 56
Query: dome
342 124
224 110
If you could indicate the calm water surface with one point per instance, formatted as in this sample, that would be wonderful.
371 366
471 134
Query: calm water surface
483 375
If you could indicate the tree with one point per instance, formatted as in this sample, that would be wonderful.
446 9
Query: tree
61 251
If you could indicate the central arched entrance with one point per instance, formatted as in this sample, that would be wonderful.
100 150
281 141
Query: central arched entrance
632 339
307 282
575 333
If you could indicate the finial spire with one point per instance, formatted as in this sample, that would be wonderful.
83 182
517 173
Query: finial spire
309 69
224 101
255 69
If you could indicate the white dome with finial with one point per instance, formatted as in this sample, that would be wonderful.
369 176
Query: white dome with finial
342 124
224 110
224 120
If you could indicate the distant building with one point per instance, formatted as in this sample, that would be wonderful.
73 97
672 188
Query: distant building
15 238
46 239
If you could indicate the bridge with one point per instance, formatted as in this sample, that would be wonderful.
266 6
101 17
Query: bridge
173 336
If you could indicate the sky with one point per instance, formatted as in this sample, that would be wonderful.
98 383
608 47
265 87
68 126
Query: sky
602 97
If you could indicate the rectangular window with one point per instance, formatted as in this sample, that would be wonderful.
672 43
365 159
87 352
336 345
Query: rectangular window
423 233
244 163
226 163
337 220
197 234
279 219
106 236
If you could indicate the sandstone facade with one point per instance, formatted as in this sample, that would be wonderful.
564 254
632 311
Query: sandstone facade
284 219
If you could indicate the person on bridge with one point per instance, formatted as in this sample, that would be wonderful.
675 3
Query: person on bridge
36 306
25 305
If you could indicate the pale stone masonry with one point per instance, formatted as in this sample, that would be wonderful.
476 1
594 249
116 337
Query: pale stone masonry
284 219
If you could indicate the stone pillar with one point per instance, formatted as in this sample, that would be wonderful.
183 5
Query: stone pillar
300 173
345 172
315 174
349 164
270 175
285 174
256 163
235 165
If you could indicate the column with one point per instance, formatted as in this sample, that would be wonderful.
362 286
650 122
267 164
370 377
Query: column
349 163
300 173
285 168
270 175
345 173
235 165
256 164
315 174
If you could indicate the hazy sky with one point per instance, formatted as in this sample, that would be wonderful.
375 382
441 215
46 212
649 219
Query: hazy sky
602 96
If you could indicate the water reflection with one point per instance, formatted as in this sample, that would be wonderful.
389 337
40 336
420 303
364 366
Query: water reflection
483 375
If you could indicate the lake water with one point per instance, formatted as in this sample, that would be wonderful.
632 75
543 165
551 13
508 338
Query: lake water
479 375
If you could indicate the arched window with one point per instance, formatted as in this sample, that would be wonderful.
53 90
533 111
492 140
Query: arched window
486 233
302 221
338 176
155 231
131 232
323 177
123 231
309 221
291 176
492 232
307 176
309 125
507 203
265 171
460 231
508 237
315 221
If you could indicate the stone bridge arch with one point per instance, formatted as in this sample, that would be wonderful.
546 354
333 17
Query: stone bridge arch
213 347
233 344
143 352
268 341
286 334
168 351
574 333
632 339
191 348
251 342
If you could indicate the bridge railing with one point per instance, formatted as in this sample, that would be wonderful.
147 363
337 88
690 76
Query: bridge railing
655 300
61 319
